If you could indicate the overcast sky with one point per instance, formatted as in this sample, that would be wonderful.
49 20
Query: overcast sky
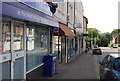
101 14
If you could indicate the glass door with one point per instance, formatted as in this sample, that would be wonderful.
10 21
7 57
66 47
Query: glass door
5 48
12 50
18 50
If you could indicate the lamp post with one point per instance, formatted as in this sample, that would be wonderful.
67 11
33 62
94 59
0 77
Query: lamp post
92 40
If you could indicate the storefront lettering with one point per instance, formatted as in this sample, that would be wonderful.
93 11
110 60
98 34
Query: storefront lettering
29 15
40 5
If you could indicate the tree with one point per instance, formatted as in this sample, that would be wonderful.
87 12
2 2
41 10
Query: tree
116 31
104 39
93 34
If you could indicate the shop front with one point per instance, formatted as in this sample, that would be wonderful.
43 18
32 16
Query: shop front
79 37
25 35
67 44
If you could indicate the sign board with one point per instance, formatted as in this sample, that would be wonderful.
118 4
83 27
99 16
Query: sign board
39 5
78 25
30 14
56 30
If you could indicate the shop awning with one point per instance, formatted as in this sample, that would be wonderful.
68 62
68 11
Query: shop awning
66 30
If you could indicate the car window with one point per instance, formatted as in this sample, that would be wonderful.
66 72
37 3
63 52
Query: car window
106 61
117 64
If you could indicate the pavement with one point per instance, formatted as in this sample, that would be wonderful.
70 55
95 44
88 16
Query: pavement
83 67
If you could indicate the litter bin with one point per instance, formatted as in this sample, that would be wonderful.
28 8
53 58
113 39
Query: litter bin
50 64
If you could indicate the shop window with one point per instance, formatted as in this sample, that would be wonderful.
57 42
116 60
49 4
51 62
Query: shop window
82 44
0 37
18 37
63 46
37 46
68 47
5 47
56 44
57 47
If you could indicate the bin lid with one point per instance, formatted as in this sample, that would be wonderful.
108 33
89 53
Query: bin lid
52 55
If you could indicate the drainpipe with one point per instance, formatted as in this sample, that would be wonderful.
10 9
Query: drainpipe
66 37
75 31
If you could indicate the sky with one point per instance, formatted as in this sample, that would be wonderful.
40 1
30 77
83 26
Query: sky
101 14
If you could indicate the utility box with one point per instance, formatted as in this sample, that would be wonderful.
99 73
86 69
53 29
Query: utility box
50 62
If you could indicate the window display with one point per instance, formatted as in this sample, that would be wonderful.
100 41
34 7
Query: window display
63 46
37 46
18 37
5 38
30 39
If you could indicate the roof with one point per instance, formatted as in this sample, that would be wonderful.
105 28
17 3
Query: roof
115 55
115 35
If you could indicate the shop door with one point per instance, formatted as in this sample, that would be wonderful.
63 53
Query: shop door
71 52
5 49
12 50
18 51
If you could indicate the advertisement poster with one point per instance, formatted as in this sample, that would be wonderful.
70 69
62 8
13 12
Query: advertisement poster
0 49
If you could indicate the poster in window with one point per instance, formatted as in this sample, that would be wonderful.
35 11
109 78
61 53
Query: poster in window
17 31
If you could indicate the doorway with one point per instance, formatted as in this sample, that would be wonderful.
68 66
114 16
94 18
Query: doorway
13 49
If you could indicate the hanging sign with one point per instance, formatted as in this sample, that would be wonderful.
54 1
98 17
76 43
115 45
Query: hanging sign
56 30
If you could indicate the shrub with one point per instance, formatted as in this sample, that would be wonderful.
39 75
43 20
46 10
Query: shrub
110 45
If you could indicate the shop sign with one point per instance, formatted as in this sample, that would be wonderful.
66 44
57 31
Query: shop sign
40 5
56 30
29 15
78 25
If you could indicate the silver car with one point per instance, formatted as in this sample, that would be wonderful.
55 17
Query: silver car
110 67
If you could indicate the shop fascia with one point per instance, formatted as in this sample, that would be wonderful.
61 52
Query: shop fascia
39 5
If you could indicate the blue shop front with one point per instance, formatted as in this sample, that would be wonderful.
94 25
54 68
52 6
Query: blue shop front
26 31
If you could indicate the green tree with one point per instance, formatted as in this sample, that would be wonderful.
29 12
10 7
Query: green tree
93 34
101 39
104 39
115 31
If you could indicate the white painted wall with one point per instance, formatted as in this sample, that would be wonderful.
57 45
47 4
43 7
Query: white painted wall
61 12
79 12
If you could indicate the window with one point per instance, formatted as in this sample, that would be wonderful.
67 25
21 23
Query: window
106 61
117 64
5 37
63 46
71 13
37 46
18 37
56 45
61 6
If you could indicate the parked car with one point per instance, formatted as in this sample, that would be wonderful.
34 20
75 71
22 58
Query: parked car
97 51
110 67
116 45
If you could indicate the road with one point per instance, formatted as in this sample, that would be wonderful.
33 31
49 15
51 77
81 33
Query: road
105 51
85 66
